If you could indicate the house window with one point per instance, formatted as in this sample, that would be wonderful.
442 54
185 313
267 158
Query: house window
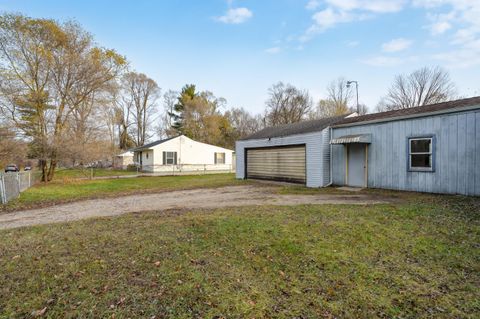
146 155
169 158
420 153
219 158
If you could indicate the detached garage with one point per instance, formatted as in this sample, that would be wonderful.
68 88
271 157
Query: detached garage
277 163
298 153
433 148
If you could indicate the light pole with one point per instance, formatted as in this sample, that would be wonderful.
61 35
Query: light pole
349 83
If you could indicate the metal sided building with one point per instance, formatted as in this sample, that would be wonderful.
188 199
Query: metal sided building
433 148
298 153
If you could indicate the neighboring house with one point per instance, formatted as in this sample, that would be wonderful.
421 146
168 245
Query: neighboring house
123 160
184 153
433 148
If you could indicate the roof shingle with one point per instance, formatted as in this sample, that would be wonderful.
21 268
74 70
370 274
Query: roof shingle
295 128
412 111
149 145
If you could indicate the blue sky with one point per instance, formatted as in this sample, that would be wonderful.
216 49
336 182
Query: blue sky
238 48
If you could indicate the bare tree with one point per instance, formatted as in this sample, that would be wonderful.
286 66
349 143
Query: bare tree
362 109
12 149
164 127
338 98
287 104
242 122
49 71
141 94
424 86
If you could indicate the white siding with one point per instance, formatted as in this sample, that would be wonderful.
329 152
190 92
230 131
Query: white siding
457 154
189 152
314 154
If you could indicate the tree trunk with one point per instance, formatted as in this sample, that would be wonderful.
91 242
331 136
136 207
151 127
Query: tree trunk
51 169
43 166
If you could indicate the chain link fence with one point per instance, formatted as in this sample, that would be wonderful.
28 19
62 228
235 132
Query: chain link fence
12 184
187 169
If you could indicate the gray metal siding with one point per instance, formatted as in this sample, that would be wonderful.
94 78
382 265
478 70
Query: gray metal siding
314 154
457 154
326 156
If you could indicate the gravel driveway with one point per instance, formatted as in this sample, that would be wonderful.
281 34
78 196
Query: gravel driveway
197 198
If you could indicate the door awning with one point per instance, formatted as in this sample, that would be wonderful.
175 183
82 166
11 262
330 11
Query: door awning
348 139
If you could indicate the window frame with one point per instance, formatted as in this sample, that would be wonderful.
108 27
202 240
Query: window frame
216 159
172 158
431 153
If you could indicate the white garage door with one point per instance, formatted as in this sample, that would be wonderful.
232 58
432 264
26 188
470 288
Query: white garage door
277 163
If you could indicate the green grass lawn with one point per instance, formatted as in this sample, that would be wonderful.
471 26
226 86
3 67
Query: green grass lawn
59 192
419 259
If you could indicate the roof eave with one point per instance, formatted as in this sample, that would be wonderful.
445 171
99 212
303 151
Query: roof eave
406 117
282 136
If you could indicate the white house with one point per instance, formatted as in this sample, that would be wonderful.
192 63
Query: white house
123 160
182 153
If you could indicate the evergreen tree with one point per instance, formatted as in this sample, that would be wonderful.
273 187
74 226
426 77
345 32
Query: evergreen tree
187 94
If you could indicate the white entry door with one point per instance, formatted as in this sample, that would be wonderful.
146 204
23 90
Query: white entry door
356 166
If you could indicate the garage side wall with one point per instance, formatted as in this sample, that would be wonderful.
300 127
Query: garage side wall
456 154
314 154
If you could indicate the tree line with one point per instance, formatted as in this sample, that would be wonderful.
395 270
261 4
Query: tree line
64 99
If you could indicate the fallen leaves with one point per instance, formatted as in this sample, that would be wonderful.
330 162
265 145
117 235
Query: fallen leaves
39 313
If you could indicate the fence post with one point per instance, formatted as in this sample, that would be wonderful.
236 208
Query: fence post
29 179
3 197
18 183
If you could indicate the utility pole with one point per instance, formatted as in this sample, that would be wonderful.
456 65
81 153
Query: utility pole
349 83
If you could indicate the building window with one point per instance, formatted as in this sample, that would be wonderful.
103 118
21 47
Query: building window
169 158
219 158
420 153
146 155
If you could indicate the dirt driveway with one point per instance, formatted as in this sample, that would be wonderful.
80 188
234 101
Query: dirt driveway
198 198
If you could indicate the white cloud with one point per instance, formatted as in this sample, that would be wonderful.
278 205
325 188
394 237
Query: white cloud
440 27
344 11
462 19
273 50
441 23
396 45
377 6
236 16
388 61
312 4
326 19
352 44
462 58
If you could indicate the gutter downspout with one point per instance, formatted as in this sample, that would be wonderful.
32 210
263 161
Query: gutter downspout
330 160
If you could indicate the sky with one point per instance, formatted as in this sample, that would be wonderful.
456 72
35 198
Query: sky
238 48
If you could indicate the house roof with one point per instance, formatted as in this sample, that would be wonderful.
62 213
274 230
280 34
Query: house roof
295 128
127 153
150 145
410 112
